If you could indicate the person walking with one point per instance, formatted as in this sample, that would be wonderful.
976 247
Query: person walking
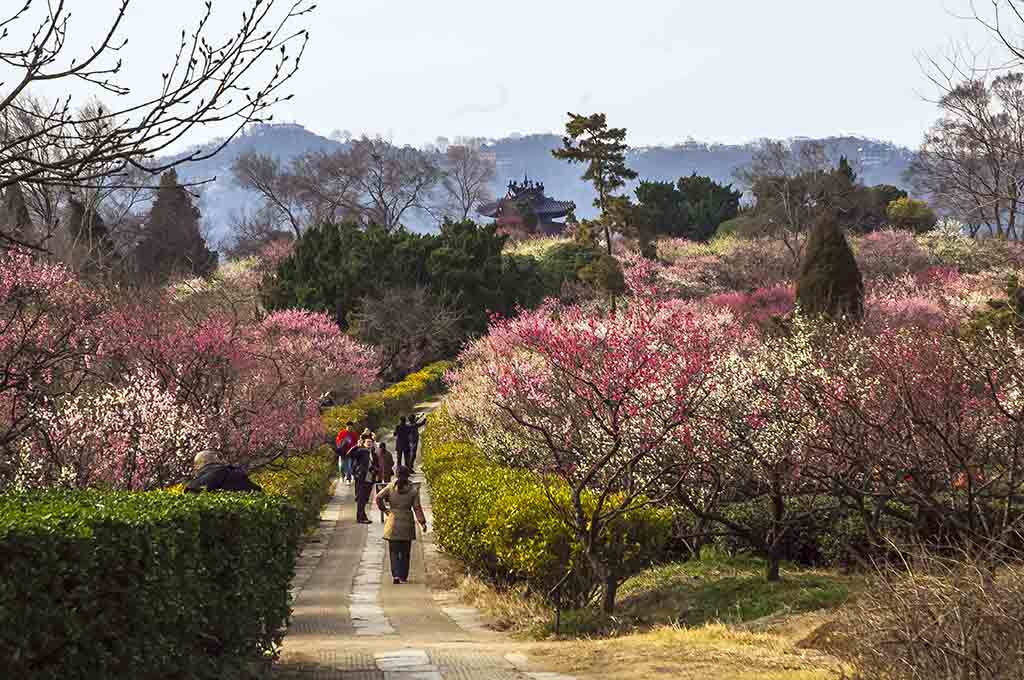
364 471
414 439
343 444
403 442
400 500
385 463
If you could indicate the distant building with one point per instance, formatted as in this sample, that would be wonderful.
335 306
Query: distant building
526 208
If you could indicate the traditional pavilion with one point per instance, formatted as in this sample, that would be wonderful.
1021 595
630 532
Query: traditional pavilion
515 211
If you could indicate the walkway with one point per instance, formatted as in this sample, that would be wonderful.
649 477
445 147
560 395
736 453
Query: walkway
351 623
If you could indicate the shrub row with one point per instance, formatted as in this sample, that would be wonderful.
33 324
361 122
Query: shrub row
375 409
142 585
305 480
500 522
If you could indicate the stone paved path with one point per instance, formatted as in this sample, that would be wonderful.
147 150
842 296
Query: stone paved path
351 623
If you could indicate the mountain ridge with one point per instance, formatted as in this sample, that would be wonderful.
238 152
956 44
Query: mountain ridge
877 162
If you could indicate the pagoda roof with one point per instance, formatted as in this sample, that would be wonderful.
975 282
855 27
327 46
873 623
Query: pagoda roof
543 207
529 194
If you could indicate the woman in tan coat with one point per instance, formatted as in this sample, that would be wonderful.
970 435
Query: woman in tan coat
401 500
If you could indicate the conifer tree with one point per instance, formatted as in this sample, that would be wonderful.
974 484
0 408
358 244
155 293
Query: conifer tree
15 221
172 243
830 283
589 140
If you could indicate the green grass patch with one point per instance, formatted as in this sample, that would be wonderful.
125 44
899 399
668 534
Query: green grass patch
713 589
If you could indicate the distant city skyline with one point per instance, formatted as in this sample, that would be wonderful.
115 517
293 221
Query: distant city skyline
728 73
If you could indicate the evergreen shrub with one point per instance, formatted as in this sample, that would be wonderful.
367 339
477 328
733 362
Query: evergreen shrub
305 480
142 585
500 522
375 409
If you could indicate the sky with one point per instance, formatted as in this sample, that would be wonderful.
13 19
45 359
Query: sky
726 71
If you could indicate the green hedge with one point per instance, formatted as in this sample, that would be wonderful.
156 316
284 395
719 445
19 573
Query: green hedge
142 585
305 480
376 409
500 522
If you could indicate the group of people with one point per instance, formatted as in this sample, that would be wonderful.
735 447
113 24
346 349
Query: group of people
364 461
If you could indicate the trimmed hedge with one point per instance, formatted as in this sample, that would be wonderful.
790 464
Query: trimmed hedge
305 480
142 585
375 409
500 522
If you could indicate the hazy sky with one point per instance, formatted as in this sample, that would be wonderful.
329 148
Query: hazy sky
665 69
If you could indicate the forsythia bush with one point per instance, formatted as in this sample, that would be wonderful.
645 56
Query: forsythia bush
376 408
499 521
142 585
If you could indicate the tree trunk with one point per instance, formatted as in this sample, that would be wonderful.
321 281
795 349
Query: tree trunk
772 571
611 587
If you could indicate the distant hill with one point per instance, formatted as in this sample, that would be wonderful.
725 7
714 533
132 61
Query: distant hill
879 162
223 198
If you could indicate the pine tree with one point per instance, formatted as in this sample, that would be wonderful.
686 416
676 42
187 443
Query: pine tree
830 283
172 243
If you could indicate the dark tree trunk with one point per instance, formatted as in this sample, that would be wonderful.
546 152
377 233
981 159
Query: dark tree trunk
611 587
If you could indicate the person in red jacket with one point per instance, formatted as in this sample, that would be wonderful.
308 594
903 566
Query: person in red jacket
343 444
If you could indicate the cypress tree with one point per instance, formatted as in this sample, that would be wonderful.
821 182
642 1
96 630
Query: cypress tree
173 243
830 283
15 220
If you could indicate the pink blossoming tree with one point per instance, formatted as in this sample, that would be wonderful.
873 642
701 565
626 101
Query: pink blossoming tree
600 406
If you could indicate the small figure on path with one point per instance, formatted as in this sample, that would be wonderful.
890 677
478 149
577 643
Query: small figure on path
212 474
364 470
400 500
343 444
414 438
403 442
385 463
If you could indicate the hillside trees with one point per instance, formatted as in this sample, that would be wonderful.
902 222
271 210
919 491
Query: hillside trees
466 181
334 267
691 208
796 185
412 327
972 159
66 145
370 180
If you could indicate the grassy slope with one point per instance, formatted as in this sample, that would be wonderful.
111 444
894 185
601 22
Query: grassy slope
712 618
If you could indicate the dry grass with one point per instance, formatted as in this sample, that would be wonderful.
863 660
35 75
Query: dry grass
511 610
710 652
768 648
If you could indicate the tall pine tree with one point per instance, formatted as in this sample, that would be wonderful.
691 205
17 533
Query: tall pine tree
590 141
172 244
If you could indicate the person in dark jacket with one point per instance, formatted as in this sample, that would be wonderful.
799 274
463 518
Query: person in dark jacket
364 471
211 474
403 442
414 439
